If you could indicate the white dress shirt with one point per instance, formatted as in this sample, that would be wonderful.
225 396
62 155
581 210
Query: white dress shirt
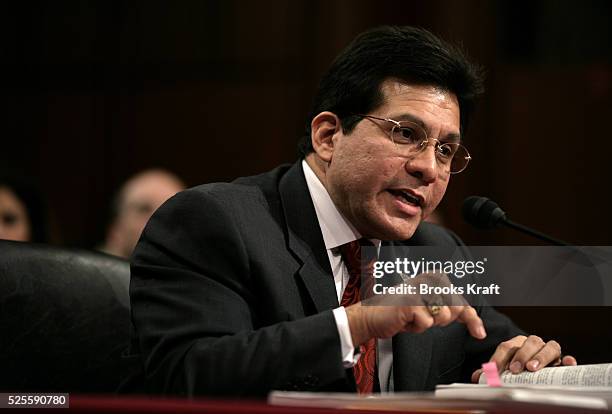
337 230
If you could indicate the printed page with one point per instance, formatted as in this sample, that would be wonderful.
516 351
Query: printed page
535 394
597 375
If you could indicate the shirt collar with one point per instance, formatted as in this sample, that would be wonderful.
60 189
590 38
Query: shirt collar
336 229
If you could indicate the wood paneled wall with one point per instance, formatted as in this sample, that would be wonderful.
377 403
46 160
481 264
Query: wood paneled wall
94 91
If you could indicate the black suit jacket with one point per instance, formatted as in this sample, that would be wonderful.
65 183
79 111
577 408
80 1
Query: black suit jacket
232 294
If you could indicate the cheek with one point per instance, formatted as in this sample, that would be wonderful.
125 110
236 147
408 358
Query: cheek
347 168
25 233
437 194
20 231
371 163
367 176
360 168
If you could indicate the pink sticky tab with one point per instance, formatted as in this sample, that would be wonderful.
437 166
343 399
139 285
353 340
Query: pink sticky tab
491 374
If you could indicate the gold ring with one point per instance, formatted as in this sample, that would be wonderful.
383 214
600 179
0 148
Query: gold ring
434 309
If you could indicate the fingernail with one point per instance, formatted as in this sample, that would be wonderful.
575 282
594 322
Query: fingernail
516 367
533 364
481 332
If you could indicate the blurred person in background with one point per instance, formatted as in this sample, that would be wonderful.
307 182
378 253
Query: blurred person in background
22 211
133 205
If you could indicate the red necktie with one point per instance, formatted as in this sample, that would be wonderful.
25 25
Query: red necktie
365 368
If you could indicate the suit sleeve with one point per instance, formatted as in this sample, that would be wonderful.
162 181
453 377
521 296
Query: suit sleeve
194 310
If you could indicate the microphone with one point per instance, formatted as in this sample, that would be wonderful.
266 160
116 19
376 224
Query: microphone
484 213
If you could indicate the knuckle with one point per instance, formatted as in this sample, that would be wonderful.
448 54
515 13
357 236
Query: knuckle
535 339
455 314
521 355
554 345
470 314
444 322
518 340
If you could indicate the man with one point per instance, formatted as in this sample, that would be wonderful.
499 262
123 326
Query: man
133 205
236 288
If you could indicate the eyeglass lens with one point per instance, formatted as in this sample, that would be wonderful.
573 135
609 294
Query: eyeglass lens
412 139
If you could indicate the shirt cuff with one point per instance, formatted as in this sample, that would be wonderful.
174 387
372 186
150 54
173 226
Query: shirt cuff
349 356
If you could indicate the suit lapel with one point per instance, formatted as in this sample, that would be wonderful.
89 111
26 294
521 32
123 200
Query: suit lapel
305 239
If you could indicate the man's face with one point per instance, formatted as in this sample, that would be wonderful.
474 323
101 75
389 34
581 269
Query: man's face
366 175
141 197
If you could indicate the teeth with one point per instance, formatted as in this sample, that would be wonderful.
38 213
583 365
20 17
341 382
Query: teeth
408 197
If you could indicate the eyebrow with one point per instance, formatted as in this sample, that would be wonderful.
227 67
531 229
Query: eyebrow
452 137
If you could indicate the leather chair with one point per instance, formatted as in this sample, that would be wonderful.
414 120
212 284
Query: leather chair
64 319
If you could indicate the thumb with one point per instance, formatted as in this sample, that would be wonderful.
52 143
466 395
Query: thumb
476 376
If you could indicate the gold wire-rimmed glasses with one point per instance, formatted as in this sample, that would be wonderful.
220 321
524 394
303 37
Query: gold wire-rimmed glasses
411 139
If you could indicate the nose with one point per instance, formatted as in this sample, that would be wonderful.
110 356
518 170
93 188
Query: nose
424 165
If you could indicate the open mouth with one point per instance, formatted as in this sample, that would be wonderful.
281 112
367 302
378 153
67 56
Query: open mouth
407 197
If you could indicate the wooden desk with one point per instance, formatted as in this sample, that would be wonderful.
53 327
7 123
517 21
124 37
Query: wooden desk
141 405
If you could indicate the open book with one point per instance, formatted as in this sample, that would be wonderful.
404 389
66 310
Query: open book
598 375
588 386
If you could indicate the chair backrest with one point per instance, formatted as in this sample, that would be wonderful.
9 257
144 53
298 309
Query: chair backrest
64 318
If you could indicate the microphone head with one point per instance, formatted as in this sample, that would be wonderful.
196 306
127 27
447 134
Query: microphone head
482 213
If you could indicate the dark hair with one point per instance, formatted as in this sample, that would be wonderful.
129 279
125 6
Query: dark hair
413 55
33 202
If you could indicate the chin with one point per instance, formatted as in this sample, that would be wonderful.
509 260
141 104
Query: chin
391 231
375 222
403 234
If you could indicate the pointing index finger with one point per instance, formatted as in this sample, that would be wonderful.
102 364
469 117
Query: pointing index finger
470 318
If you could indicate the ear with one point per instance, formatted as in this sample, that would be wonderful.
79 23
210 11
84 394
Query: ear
324 129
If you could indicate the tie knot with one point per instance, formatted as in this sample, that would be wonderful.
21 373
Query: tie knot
353 257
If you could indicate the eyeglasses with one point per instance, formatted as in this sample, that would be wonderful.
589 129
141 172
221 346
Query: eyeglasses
411 139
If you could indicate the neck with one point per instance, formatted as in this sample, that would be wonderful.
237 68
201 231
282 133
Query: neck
319 167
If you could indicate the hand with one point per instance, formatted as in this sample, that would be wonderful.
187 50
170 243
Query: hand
531 353
384 315
369 321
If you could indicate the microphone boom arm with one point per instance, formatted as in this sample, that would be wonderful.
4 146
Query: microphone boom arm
533 233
